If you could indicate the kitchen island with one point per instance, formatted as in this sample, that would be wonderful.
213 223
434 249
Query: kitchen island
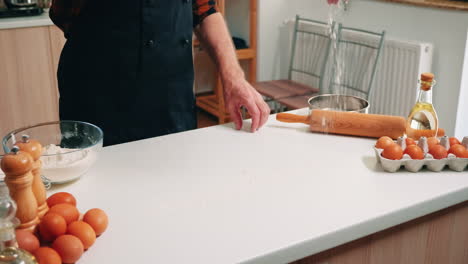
217 195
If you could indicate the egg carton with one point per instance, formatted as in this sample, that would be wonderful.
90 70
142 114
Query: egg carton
432 164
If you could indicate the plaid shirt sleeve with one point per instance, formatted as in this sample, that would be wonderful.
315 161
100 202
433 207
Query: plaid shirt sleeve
202 9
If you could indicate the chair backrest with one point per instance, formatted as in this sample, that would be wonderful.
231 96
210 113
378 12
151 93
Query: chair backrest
310 51
354 61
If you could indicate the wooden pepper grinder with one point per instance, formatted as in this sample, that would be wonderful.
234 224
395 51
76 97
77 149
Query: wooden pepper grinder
34 148
17 167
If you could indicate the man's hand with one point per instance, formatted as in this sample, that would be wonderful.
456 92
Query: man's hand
237 93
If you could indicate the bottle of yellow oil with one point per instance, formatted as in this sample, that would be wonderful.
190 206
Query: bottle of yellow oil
9 251
422 120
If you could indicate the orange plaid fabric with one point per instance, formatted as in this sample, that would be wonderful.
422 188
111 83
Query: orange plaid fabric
62 12
202 9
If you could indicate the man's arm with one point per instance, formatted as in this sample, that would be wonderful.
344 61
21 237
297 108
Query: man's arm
213 33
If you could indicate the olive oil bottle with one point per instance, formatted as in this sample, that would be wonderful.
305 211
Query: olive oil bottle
9 251
422 120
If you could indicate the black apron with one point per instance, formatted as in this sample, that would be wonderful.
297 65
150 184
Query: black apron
127 67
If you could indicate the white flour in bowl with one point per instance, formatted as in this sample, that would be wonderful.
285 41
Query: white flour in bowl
54 156
62 164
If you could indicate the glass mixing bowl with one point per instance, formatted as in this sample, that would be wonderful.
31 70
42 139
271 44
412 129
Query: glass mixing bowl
70 147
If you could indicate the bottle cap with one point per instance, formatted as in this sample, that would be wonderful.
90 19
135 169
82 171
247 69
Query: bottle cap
427 81
427 77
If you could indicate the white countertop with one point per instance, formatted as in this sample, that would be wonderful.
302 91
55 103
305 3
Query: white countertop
28 21
217 195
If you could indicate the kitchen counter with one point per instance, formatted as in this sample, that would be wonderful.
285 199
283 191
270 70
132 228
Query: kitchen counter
28 21
217 195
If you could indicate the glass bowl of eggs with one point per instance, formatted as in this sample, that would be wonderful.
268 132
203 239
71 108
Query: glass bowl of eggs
69 148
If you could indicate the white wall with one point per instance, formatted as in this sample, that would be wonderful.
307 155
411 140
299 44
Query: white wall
461 129
446 29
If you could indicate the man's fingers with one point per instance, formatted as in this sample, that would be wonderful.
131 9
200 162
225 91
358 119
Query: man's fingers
264 112
262 117
236 116
264 109
255 113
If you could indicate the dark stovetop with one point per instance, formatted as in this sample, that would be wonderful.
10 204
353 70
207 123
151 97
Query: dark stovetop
5 13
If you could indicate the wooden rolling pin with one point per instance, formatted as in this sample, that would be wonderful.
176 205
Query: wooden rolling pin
351 123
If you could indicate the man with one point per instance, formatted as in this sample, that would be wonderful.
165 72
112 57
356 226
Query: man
127 66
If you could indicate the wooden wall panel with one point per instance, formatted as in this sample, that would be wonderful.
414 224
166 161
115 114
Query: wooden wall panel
28 91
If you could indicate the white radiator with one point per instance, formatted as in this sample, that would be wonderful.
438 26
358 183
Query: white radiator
395 85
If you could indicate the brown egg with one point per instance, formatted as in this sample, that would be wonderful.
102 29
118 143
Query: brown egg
84 232
61 197
27 240
410 141
458 150
384 142
54 224
46 255
464 155
69 248
432 141
67 211
454 141
415 152
97 219
438 152
393 152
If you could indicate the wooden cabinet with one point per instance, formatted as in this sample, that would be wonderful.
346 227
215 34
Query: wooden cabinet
28 90
440 237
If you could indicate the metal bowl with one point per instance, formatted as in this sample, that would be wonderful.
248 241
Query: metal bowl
338 102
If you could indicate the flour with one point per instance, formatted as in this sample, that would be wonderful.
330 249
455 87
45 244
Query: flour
55 156
64 164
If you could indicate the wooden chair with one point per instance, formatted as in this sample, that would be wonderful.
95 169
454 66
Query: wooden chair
310 49
354 63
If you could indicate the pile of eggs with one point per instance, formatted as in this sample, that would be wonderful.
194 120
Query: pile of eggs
434 153
62 237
